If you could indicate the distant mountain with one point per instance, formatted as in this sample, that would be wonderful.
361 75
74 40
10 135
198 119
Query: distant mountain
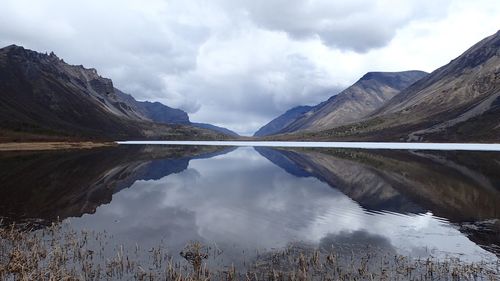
216 128
160 113
154 111
457 102
282 121
41 95
368 94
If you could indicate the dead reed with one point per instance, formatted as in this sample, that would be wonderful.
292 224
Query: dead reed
61 253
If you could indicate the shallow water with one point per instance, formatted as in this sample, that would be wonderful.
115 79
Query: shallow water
356 145
247 201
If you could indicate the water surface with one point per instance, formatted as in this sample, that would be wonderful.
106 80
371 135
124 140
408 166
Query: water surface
358 145
247 201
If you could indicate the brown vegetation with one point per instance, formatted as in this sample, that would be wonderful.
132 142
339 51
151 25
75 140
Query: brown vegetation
60 253
21 146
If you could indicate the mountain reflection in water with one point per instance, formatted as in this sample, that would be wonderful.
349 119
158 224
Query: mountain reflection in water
408 202
460 187
51 185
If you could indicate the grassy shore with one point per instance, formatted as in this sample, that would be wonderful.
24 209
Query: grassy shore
54 145
61 253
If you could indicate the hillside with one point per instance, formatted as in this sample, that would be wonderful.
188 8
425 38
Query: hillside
154 111
282 121
368 94
221 130
458 102
42 97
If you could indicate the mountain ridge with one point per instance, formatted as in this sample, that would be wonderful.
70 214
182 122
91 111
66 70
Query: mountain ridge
282 121
215 128
43 97
367 94
458 102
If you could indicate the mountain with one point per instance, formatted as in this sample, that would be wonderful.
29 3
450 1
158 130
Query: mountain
368 94
458 102
221 130
160 113
282 121
154 111
42 97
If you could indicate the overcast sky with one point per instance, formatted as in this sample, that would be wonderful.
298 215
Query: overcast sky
240 63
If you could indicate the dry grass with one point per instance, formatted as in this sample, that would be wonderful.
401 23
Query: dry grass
32 146
60 253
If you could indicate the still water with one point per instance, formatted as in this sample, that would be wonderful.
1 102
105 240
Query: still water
249 200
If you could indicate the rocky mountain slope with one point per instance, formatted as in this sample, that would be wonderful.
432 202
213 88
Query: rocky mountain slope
160 113
279 123
457 102
221 130
460 100
368 94
41 95
154 111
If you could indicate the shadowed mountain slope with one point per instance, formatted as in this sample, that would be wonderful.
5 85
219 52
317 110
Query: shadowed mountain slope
279 123
41 95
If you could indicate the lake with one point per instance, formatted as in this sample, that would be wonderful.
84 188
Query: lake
245 203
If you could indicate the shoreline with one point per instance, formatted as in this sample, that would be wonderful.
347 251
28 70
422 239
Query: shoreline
493 147
52 145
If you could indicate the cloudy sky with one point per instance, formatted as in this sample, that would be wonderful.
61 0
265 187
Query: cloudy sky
240 63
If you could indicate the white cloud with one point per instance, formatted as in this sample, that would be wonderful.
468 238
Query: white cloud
240 63
357 25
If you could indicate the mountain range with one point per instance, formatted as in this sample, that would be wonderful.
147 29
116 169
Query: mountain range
43 97
457 102
282 121
160 113
369 93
